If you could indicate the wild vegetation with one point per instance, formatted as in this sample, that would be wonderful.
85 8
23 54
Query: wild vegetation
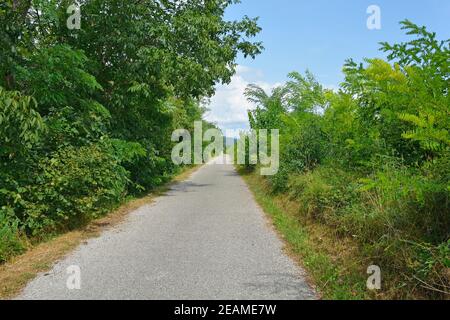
371 160
86 115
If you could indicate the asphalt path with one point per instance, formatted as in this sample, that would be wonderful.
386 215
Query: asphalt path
206 238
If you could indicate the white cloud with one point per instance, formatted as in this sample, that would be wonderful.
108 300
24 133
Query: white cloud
229 106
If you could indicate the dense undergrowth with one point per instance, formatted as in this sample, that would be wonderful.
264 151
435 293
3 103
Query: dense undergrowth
371 160
86 115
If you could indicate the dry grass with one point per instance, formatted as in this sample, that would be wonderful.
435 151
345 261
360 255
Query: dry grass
15 274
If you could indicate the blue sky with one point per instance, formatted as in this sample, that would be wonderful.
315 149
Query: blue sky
318 35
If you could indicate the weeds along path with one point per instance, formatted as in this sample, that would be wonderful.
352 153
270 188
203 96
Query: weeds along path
204 239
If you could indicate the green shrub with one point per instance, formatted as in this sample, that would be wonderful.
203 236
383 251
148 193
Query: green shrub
302 150
399 216
313 194
413 201
10 240
20 124
323 193
68 188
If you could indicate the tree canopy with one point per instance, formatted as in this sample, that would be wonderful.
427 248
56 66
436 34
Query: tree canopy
87 113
